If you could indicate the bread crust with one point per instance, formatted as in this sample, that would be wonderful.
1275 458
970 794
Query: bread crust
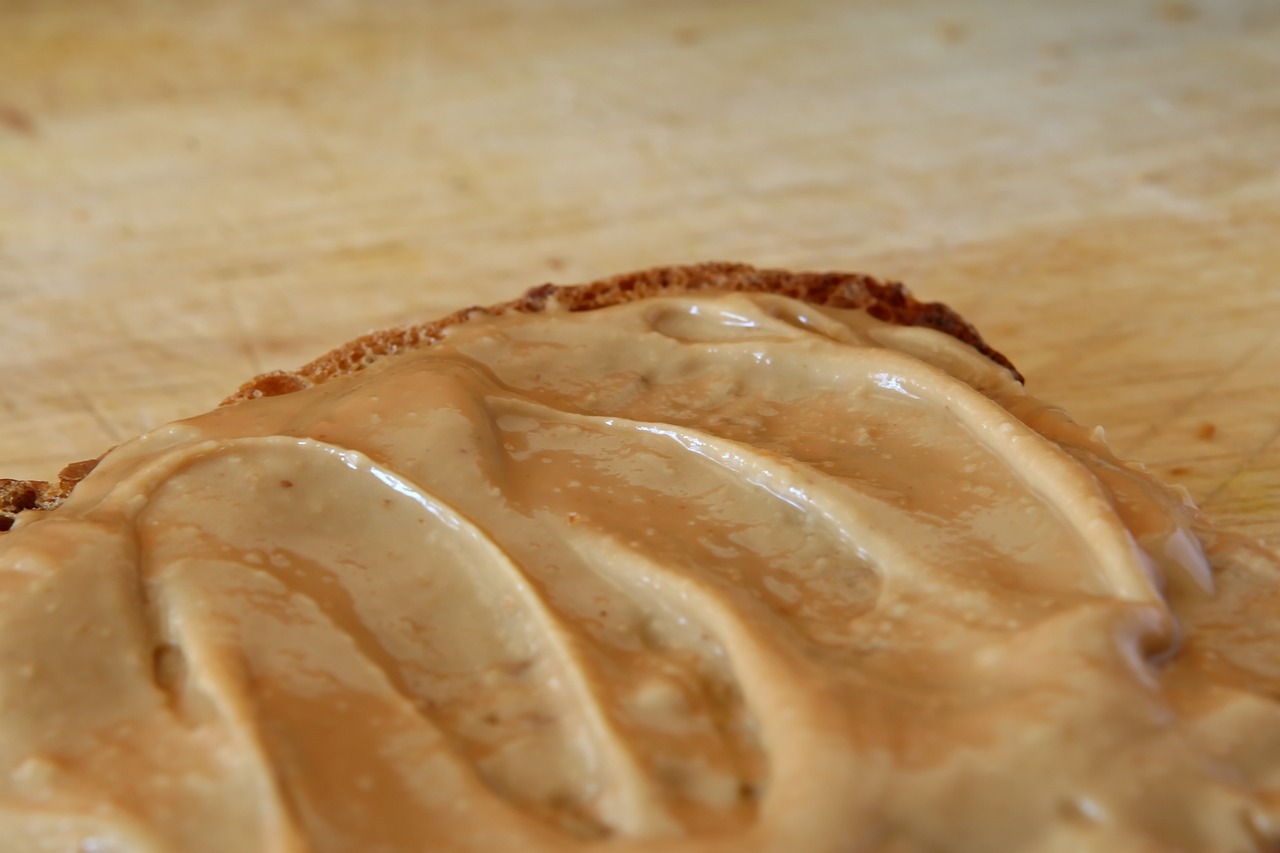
885 300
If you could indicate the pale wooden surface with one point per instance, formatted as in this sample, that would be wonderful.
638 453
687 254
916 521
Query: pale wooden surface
193 193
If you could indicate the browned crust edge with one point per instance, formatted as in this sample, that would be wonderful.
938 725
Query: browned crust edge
885 300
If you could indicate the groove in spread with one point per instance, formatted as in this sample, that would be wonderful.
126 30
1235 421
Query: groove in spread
699 572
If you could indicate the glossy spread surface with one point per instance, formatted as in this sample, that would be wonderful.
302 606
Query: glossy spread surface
726 572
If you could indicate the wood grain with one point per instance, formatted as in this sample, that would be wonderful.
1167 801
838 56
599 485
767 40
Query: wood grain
190 196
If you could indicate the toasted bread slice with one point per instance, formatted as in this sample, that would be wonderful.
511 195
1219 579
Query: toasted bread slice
885 300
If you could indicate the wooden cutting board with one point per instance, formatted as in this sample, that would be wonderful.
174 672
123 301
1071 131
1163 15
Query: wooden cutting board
190 194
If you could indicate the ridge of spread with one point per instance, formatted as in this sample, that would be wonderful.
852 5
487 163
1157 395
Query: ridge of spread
694 572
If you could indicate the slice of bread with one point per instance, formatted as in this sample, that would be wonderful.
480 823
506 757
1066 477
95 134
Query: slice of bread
734 566
884 300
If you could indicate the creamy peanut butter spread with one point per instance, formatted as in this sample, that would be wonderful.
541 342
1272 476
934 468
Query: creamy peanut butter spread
717 572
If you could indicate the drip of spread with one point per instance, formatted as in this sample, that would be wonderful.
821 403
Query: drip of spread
717 572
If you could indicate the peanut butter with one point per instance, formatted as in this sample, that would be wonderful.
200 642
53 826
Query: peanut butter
691 573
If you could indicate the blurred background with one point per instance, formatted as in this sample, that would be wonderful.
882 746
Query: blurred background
192 193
